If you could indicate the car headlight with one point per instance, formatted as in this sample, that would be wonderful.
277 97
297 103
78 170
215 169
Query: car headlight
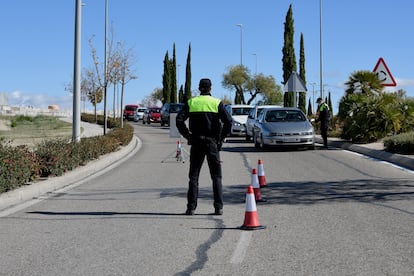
236 124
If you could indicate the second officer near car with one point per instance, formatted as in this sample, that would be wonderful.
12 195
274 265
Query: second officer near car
209 125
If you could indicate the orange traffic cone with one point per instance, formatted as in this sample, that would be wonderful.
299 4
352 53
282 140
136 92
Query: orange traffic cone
261 174
251 220
256 187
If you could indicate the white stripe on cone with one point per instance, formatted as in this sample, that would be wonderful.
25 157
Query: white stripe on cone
250 202
255 179
261 173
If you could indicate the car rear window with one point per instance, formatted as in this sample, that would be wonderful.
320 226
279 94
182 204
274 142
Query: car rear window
240 111
130 108
284 116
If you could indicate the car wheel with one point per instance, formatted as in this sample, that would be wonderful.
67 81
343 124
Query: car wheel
162 123
262 144
256 143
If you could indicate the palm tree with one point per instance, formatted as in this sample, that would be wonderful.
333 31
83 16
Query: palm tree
365 82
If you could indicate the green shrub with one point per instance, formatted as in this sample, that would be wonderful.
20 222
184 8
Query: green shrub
18 167
401 143
54 157
124 135
368 118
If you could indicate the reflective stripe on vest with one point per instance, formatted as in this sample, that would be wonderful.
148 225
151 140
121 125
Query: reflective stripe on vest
204 104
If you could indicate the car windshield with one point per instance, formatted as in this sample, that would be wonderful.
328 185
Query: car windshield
141 109
284 116
235 111
130 108
155 110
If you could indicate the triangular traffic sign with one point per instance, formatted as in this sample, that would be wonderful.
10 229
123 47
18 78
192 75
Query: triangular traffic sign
383 73
295 84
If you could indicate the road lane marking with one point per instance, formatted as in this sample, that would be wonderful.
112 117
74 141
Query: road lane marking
241 248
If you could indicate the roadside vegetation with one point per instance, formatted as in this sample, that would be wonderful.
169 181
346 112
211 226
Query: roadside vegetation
52 156
369 114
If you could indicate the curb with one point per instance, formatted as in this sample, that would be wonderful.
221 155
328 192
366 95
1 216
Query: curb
397 159
78 176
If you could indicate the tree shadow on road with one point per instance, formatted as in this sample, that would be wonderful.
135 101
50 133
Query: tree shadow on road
294 193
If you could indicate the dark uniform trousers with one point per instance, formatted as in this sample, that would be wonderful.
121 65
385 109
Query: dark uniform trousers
200 149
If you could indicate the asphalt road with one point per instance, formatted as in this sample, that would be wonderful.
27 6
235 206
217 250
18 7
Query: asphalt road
328 212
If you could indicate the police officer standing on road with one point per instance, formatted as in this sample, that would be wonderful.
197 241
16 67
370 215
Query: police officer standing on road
209 124
324 118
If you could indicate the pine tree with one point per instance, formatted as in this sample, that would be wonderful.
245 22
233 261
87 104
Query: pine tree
187 86
288 51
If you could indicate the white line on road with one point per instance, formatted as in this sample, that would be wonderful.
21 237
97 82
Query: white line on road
241 248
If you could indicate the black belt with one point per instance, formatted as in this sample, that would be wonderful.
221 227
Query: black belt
208 138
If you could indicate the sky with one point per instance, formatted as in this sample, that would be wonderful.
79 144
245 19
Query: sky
37 45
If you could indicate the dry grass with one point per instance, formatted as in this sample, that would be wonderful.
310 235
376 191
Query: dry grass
24 130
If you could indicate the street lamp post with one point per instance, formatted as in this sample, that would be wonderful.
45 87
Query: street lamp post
255 55
105 68
313 95
77 74
320 48
241 43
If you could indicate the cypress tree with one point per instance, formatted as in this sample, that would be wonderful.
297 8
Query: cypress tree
302 74
166 80
181 96
187 86
309 108
330 102
302 71
288 51
173 68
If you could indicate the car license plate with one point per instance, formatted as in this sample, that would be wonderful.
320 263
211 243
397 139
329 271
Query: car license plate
291 140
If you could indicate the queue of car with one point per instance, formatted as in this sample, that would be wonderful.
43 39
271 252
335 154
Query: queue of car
267 125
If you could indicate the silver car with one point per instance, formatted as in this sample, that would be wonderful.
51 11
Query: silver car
283 126
252 118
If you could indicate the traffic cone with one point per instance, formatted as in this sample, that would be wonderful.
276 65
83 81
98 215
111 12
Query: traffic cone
256 187
261 174
251 220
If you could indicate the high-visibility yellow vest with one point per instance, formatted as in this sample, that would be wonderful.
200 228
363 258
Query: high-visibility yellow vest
323 106
203 103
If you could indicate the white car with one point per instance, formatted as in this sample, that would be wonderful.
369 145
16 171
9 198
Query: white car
139 113
239 113
252 117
